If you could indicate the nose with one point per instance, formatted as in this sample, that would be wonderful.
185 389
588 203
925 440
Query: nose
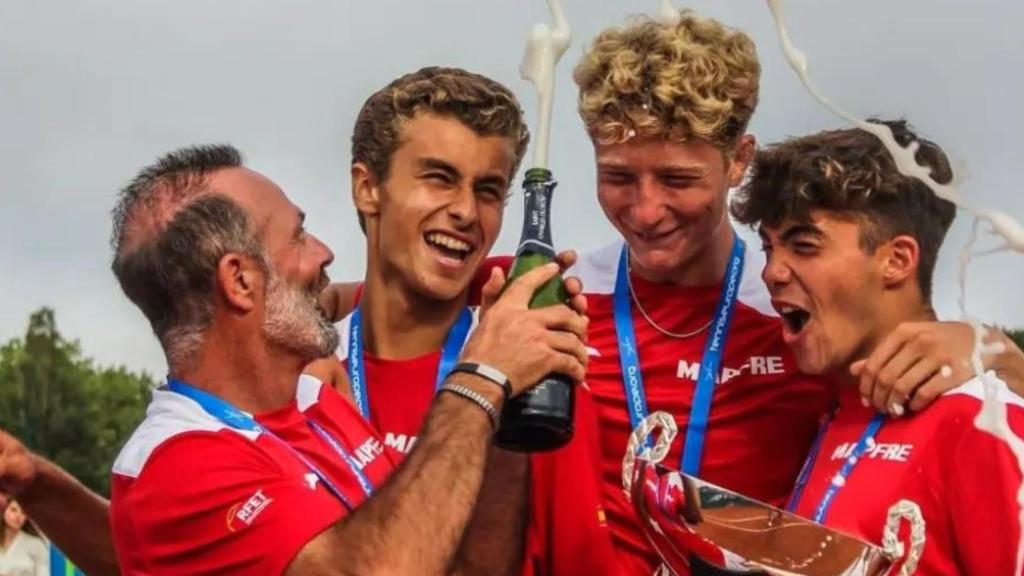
462 209
777 272
324 254
648 208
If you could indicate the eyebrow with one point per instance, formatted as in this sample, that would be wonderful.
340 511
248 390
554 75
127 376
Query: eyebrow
789 233
496 179
301 223
438 164
676 169
799 230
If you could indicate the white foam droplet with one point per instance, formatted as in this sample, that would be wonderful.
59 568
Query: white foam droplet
1004 225
667 13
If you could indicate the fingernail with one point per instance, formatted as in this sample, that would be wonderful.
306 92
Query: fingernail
865 402
897 410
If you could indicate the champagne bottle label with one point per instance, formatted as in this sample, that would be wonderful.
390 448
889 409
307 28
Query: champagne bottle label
536 236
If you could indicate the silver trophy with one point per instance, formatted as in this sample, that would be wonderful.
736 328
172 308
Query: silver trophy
701 529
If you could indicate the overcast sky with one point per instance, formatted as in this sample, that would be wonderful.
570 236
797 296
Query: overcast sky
91 90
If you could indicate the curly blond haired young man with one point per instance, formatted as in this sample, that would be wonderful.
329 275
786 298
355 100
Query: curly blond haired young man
676 304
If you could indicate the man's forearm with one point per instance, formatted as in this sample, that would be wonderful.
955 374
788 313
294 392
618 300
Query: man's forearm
414 523
494 543
76 519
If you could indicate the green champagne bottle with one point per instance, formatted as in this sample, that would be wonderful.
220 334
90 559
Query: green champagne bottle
541 418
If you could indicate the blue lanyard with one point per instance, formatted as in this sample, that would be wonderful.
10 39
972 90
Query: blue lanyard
364 482
839 481
629 358
805 471
235 418
357 364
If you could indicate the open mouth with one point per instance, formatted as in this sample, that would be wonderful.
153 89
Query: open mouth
794 318
316 292
449 246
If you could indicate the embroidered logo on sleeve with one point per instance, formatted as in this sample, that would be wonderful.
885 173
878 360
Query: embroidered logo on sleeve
243 513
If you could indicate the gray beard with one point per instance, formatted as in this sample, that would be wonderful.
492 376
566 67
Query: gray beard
295 321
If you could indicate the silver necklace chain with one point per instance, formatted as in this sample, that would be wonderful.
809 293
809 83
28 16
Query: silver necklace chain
647 317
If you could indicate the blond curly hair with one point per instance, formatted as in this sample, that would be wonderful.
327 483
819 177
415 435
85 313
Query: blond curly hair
485 106
698 78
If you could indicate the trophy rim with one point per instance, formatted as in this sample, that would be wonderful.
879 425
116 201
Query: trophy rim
873 558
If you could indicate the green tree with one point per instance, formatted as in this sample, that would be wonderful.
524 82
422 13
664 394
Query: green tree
63 406
1017 336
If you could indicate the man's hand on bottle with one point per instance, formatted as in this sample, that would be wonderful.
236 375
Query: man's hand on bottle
529 344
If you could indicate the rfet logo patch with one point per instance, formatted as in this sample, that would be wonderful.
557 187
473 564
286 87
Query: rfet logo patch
243 513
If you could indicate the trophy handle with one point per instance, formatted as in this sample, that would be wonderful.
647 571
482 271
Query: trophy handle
638 441
908 511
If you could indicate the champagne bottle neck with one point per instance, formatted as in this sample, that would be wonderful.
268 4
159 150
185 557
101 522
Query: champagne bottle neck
536 236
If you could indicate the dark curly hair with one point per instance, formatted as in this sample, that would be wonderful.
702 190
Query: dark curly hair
849 173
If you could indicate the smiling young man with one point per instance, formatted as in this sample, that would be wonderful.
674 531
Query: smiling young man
677 303
851 246
433 156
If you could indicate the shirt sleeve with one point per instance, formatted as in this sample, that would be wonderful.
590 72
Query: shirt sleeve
216 503
982 489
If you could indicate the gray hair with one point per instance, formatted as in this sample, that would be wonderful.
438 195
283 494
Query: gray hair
169 233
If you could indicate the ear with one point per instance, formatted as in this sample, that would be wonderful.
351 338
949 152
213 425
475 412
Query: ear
900 260
239 281
365 190
742 156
